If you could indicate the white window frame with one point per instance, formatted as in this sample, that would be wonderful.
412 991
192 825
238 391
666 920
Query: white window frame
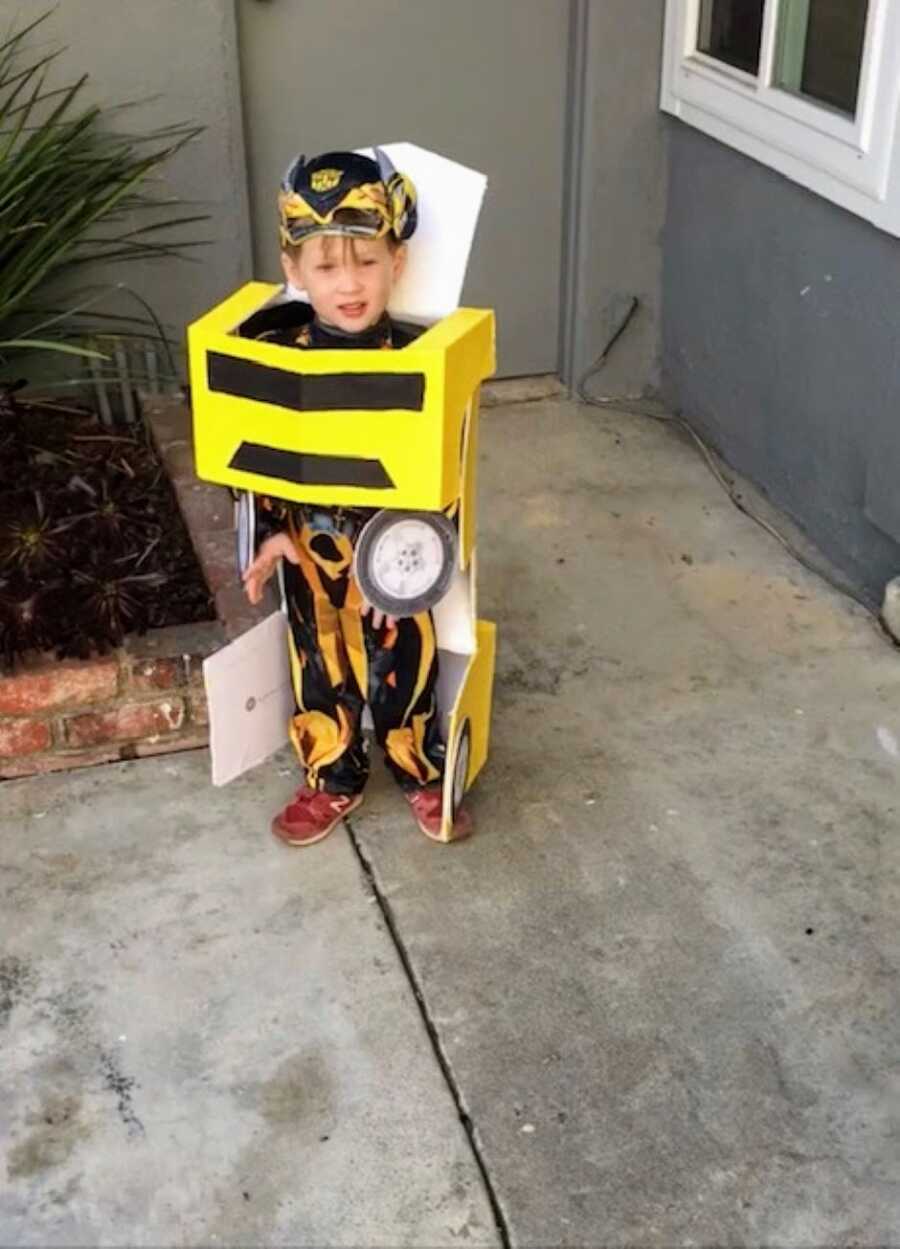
854 162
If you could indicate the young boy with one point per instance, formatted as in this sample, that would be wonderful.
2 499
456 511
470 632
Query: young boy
344 222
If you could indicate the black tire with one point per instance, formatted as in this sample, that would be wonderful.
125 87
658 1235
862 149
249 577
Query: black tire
400 549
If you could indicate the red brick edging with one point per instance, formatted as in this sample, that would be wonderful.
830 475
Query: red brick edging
122 706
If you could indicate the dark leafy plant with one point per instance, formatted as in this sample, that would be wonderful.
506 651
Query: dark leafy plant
118 500
114 602
27 613
32 539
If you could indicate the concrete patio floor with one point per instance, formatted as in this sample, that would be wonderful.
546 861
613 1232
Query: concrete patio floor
654 1002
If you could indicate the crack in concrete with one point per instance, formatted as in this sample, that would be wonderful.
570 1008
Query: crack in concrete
121 1086
443 1062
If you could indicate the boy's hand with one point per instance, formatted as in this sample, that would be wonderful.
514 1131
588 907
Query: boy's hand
279 546
378 617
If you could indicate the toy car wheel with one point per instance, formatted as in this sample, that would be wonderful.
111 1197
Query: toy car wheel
404 561
461 766
245 530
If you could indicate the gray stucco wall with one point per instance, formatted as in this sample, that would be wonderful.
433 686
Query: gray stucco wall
181 60
782 345
621 194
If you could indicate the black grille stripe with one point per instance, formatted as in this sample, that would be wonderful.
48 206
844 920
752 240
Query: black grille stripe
314 392
310 470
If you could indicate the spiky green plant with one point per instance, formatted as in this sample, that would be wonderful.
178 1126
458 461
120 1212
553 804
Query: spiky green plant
71 192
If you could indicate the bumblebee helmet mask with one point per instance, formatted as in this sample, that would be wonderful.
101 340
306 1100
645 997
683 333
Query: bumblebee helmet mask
373 199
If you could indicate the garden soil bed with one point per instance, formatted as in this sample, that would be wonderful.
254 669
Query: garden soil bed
92 544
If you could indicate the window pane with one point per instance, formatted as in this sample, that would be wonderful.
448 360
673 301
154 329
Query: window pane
820 49
731 31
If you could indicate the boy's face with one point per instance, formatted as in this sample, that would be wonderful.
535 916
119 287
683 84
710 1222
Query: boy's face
348 281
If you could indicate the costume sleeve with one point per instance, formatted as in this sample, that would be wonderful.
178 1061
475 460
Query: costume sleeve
271 518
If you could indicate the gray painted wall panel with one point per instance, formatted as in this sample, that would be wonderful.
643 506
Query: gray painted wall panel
782 344
623 195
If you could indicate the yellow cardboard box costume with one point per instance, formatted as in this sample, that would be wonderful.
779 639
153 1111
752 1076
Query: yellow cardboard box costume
394 431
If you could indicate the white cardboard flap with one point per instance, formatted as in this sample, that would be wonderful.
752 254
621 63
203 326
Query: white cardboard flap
454 618
450 196
250 698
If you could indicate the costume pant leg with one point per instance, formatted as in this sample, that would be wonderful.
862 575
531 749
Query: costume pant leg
328 667
402 664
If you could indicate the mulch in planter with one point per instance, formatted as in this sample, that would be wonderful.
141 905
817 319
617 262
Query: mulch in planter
92 544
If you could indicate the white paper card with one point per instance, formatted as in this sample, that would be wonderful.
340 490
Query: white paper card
250 698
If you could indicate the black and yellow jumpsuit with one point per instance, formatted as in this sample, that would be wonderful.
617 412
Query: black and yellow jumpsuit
339 660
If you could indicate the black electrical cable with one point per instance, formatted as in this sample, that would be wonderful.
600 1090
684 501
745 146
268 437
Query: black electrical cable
630 408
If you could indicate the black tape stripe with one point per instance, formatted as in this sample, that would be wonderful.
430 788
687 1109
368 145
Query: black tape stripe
310 470
314 392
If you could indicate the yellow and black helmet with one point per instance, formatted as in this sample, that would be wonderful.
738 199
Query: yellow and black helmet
373 199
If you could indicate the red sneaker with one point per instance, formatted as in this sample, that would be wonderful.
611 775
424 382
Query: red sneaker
311 815
427 804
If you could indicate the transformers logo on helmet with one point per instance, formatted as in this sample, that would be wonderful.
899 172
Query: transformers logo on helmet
346 193
325 179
